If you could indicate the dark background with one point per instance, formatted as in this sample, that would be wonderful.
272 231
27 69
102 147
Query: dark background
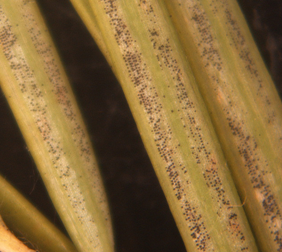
141 218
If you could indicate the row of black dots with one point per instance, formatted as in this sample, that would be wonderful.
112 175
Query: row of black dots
21 70
60 90
196 225
248 151
206 44
235 129
164 151
211 55
165 50
51 67
245 55
53 147
161 144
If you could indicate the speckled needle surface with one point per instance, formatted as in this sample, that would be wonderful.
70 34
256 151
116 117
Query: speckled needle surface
134 193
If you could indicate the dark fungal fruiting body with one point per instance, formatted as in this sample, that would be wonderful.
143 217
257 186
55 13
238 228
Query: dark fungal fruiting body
182 145
38 92
243 104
